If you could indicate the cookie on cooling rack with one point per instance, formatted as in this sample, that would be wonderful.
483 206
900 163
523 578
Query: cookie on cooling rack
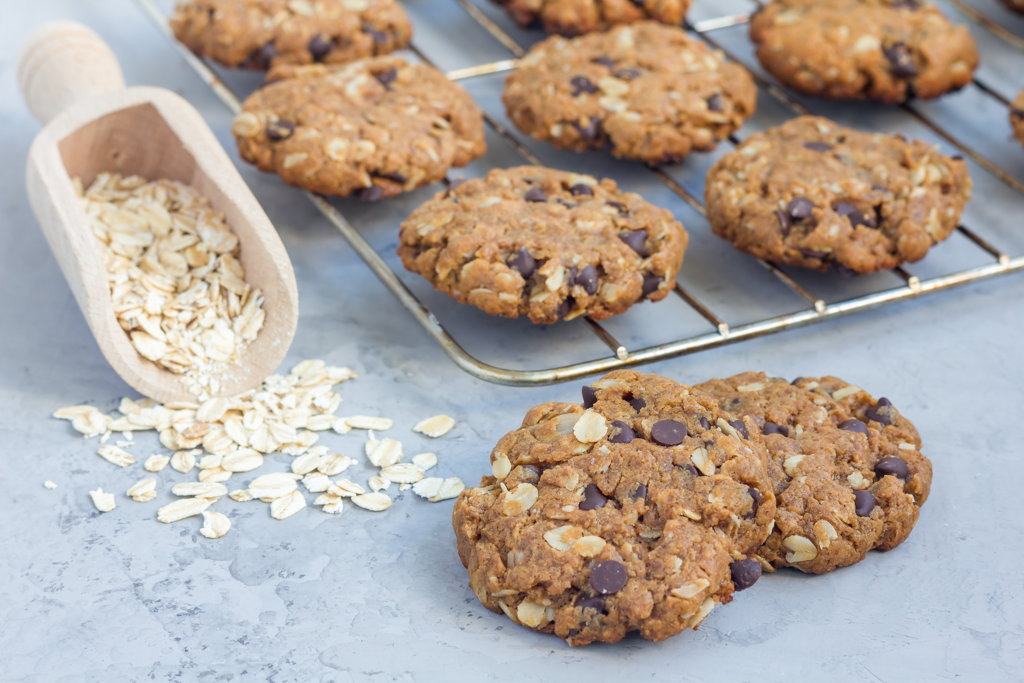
816 194
647 91
371 128
257 34
1015 5
848 471
1017 117
635 511
546 244
575 17
886 50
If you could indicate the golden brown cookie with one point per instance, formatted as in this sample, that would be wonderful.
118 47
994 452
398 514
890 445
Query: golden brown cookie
634 511
574 17
647 91
816 194
1017 117
550 245
371 128
886 50
848 470
258 34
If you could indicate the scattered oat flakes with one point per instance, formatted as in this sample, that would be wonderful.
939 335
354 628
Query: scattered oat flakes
334 464
384 452
402 473
208 490
436 489
103 501
116 456
215 524
287 505
376 501
241 496
343 488
316 482
142 491
49 484
424 460
436 426
183 461
274 485
182 509
364 422
378 483
155 463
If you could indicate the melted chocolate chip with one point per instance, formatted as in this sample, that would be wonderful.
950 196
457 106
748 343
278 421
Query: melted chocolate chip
529 473
703 422
813 253
626 74
368 194
800 208
772 428
608 577
621 208
319 45
640 492
785 223
523 262
864 502
594 602
844 271
565 307
580 190
386 78
670 158
651 284
854 425
378 37
691 469
587 279
635 240
589 397
668 432
741 427
854 215
818 146
881 412
906 4
604 60
396 177
715 102
582 84
636 402
590 130
261 57
535 194
894 466
901 60
592 498
280 130
621 432
745 573
757 498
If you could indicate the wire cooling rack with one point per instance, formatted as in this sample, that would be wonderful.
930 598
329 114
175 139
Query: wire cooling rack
718 331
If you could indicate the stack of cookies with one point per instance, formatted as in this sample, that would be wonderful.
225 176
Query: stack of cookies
650 503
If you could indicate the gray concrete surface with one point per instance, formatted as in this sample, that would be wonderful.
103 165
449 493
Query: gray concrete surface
382 597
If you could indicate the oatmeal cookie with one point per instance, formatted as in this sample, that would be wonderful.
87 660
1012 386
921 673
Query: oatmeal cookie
635 511
575 17
258 34
550 245
646 91
816 194
885 50
1017 117
371 128
848 470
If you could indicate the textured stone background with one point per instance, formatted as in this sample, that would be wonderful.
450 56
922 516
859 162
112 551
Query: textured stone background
382 596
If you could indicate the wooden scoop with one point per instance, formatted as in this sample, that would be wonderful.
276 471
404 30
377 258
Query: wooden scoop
71 79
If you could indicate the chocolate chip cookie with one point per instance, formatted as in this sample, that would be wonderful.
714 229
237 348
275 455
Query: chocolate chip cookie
371 128
546 244
575 17
816 194
1017 117
647 91
848 471
635 511
258 34
886 50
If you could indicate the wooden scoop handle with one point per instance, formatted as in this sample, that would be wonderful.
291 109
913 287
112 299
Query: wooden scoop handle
64 62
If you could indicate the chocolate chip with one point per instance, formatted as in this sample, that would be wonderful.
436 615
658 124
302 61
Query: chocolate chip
535 194
772 428
640 492
378 37
565 307
608 577
854 425
818 146
587 279
785 224
757 497
882 412
523 262
582 84
703 422
691 469
894 466
668 432
280 130
529 473
319 45
386 78
396 177
715 102
670 158
604 60
626 74
813 253
745 573
800 208
589 397
579 189
592 498
864 502
906 4
854 215
901 60
624 434
844 271
635 240
740 427
621 208
1015 113
368 194
651 284
590 130
594 602
635 401
262 56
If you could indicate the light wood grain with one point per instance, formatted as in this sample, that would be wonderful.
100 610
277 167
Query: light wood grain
156 134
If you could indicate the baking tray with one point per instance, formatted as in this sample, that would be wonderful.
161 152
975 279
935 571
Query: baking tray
721 296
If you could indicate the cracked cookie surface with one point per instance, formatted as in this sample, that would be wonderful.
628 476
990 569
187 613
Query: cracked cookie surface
633 511
371 128
258 34
886 50
646 91
546 244
575 17
816 194
848 471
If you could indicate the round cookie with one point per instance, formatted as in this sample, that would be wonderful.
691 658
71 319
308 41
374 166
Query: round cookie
647 91
1017 117
258 34
848 471
886 50
816 194
634 511
546 244
371 128
575 17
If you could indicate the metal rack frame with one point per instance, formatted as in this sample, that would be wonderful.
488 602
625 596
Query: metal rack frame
818 309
